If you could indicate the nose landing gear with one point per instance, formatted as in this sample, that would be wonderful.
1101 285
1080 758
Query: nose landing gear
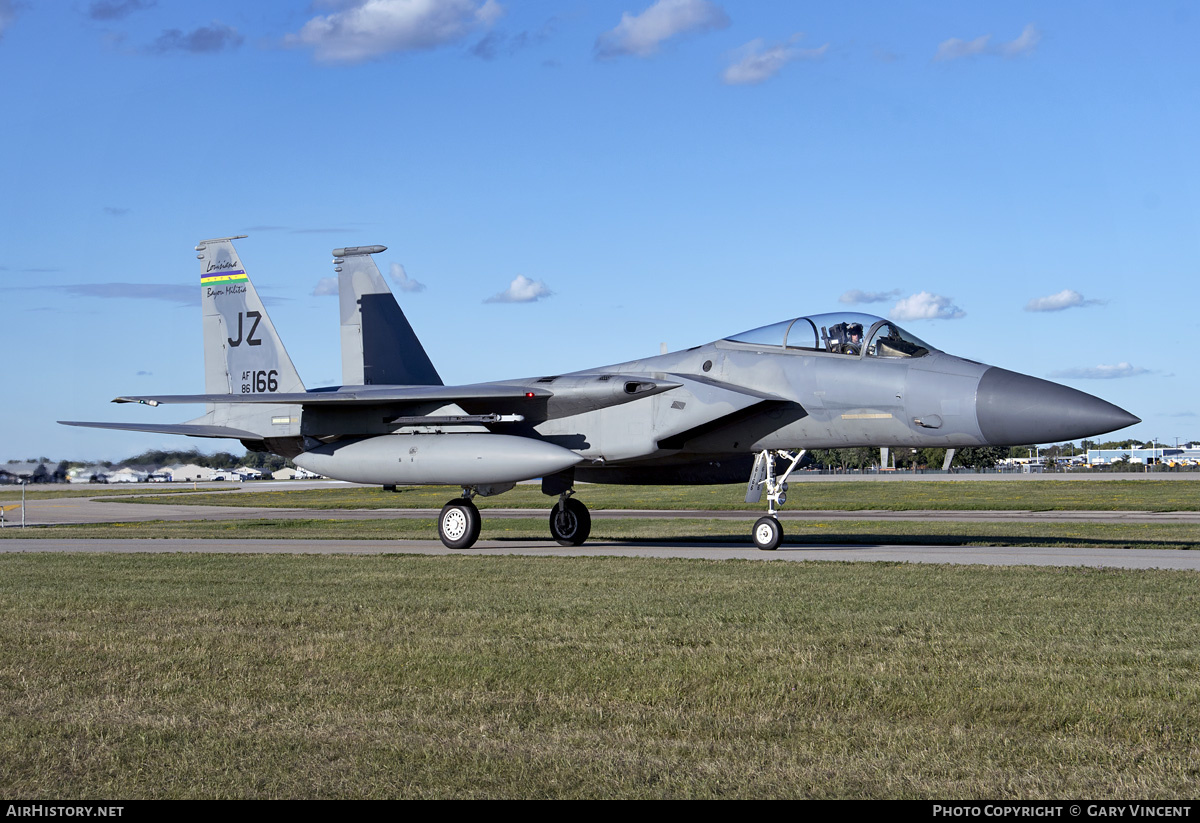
768 532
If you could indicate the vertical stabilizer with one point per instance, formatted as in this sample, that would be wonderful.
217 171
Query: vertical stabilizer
242 351
379 347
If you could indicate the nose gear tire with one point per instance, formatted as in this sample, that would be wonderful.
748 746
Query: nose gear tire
768 534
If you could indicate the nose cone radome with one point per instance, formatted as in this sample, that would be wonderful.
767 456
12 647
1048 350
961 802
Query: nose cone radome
1014 409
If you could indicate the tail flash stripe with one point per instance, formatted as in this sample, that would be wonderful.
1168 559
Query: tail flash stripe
225 277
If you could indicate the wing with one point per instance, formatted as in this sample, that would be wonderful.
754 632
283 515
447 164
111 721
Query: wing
177 428
571 394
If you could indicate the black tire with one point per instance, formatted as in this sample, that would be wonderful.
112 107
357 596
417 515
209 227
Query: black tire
458 524
570 524
768 533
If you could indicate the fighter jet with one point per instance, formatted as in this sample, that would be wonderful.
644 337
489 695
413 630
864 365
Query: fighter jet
745 407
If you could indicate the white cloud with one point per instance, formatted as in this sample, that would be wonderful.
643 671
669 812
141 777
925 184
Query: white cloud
521 290
956 49
1027 42
641 34
756 63
403 281
855 296
326 287
926 306
1102 372
1065 299
370 28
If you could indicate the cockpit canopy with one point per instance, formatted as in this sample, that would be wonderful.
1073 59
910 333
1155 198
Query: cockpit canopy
849 333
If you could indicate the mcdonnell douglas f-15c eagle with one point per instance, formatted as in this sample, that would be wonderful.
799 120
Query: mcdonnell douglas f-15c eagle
716 413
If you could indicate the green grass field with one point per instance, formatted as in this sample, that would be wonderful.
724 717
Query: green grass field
1032 495
396 676
168 676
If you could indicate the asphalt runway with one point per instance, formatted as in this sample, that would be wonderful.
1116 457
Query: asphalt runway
83 510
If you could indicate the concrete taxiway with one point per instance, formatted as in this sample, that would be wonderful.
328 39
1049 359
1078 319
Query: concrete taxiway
969 555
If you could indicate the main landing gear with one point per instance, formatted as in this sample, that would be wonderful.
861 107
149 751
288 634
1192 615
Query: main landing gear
459 522
570 523
768 532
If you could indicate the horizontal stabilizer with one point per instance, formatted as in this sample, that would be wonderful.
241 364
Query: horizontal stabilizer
359 397
178 428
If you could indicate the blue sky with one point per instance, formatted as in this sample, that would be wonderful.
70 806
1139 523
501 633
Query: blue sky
573 183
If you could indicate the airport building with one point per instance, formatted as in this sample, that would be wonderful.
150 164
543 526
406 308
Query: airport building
1149 457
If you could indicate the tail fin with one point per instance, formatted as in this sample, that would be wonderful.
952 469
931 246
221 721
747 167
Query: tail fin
244 360
378 344
242 351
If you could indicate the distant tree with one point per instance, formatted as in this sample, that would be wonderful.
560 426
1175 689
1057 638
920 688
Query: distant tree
264 461
856 458
980 457
821 458
256 460
158 457
223 460
931 458
1068 449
